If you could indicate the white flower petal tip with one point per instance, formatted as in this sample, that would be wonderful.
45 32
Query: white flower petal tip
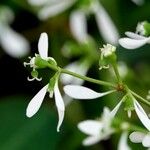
90 127
60 106
115 110
142 115
43 45
81 92
132 43
146 141
123 145
91 140
36 102
136 137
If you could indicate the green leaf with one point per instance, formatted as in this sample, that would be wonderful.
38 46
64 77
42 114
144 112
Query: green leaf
17 132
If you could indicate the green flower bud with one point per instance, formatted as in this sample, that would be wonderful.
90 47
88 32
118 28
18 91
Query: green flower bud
41 63
108 56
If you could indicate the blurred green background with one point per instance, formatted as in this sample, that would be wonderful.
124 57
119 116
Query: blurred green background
17 132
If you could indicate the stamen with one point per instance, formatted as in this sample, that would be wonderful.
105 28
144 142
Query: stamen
26 64
38 79
30 79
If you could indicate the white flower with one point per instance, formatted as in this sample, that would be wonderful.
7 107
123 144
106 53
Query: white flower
81 92
133 40
78 26
98 130
50 8
12 42
107 50
78 23
43 53
37 100
140 137
123 145
106 26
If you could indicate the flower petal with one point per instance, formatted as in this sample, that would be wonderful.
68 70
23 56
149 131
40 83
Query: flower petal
90 127
55 8
91 140
146 141
132 43
38 2
78 26
36 102
142 115
105 24
136 137
134 35
43 45
78 67
13 43
123 145
114 111
59 104
81 92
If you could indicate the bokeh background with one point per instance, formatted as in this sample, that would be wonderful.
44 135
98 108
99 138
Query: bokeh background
17 132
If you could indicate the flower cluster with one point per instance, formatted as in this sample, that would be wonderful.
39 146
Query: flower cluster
104 127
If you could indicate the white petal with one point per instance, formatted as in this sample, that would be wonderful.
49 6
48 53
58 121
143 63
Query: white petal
106 26
43 45
78 26
136 137
134 35
114 111
78 67
55 8
138 2
38 2
132 43
142 115
36 102
90 127
13 43
123 145
91 140
81 92
146 141
60 105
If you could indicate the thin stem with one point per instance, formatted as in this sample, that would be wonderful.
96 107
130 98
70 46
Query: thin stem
141 99
81 77
117 73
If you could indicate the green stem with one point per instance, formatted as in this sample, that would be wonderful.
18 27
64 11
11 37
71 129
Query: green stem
117 73
81 77
141 99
